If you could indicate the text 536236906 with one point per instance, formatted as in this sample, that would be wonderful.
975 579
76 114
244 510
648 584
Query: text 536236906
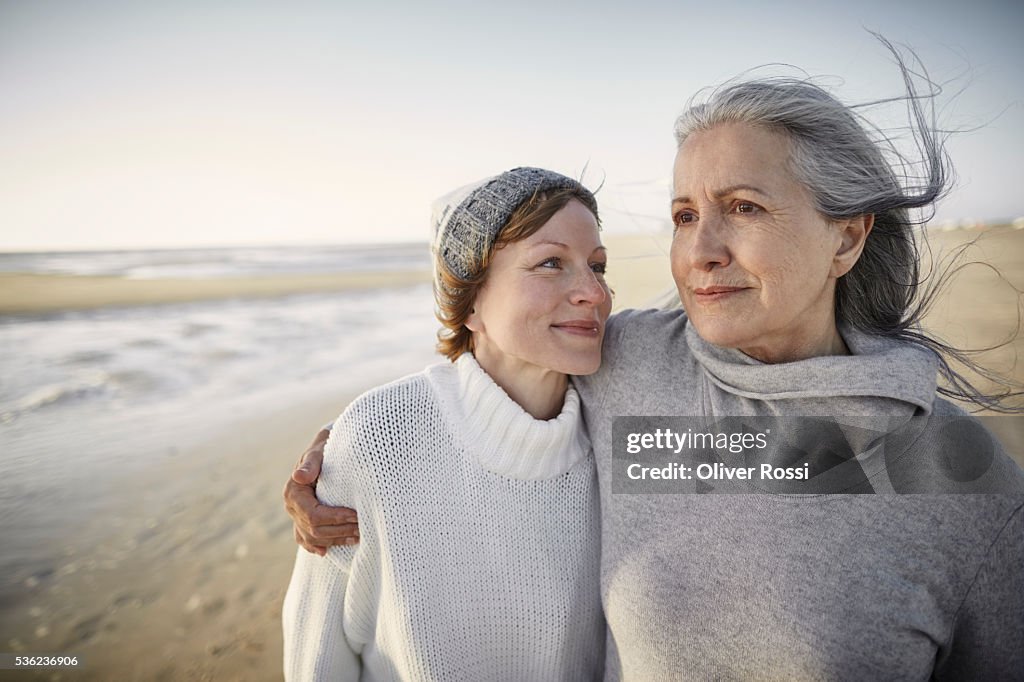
20 661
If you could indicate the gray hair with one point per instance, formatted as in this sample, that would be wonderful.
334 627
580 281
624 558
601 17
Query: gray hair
844 162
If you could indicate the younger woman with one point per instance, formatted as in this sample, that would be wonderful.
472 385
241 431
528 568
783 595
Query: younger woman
503 585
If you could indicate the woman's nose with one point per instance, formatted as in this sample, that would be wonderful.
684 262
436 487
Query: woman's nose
707 249
589 287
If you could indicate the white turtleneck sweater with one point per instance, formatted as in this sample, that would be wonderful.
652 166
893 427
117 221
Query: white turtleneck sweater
479 552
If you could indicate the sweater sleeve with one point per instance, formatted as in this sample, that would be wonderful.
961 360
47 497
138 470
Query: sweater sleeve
315 646
986 642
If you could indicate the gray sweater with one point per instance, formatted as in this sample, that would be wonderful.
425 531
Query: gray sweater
835 586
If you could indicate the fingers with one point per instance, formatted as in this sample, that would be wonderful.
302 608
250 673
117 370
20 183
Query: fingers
307 470
317 526
305 509
328 534
344 534
318 544
312 549
323 516
324 537
325 525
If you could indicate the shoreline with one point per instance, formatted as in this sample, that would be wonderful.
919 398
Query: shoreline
639 261
22 294
638 274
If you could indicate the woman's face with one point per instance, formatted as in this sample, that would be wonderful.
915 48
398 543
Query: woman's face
752 258
545 301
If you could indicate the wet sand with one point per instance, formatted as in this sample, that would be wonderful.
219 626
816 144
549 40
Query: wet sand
181 576
23 293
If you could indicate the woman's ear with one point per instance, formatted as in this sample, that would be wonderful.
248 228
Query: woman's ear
473 322
853 234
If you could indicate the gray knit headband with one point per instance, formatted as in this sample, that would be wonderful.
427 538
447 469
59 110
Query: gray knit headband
467 221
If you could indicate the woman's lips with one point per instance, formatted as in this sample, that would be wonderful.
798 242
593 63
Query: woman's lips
716 293
579 327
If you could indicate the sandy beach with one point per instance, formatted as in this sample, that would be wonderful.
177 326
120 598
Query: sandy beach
31 293
181 573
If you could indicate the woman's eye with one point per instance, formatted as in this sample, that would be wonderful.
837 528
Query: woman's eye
599 268
683 218
746 207
552 262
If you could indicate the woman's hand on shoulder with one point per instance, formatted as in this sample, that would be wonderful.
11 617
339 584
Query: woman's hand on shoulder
317 526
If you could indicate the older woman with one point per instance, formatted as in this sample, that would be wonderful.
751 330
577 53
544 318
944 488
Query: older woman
796 266
504 585
785 217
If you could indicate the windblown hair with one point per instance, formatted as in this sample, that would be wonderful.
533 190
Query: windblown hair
456 295
844 162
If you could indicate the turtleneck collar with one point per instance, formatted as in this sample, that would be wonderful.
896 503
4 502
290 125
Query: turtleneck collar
504 438
877 368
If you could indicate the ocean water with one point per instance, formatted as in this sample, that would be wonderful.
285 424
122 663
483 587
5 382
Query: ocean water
90 396
122 359
117 360
223 262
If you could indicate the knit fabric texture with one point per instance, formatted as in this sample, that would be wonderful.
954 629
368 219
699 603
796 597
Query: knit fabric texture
478 555
467 221
826 587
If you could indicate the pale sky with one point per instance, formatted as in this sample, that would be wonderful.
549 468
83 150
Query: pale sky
216 122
